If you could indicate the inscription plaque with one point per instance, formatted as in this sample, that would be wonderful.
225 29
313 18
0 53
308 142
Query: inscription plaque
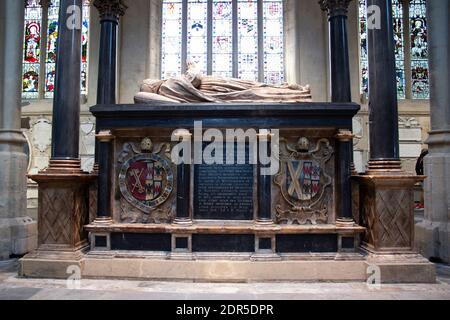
224 192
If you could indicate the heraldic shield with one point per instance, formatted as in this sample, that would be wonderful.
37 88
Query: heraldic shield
146 179
303 182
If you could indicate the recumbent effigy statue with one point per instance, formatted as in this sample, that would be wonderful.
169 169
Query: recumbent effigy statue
195 87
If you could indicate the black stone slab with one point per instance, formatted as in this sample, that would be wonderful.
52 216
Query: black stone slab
302 243
257 115
142 242
223 243
224 191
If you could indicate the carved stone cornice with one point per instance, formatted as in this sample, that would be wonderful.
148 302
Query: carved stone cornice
110 9
335 7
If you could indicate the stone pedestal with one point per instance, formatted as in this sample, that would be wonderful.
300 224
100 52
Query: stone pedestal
387 212
62 213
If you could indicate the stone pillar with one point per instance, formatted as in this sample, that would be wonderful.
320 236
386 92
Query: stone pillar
66 102
383 113
18 233
110 12
63 207
433 233
264 182
183 215
344 187
386 192
104 208
340 67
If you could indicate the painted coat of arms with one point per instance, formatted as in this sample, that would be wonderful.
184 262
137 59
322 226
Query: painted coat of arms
303 182
146 178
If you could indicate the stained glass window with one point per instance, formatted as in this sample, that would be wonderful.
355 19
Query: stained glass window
248 39
417 86
171 38
222 61
32 50
419 50
232 38
273 42
37 27
397 16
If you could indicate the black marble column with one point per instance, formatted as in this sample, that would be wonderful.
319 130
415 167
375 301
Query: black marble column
344 188
183 215
383 113
66 102
340 68
110 12
104 209
183 191
264 183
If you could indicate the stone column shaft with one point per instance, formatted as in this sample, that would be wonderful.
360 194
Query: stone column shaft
383 113
264 183
110 12
104 208
340 67
66 103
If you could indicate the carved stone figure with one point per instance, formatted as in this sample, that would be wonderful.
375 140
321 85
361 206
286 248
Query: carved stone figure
194 87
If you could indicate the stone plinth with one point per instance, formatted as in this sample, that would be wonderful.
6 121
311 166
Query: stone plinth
62 213
387 212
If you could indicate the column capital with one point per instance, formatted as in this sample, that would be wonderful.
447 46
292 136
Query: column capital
110 9
344 135
335 7
104 136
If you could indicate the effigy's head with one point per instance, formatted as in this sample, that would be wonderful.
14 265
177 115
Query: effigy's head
151 85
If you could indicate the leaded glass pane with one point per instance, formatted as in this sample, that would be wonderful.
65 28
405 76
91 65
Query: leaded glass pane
419 50
85 46
397 16
171 38
273 42
197 21
222 33
363 47
52 39
31 50
248 40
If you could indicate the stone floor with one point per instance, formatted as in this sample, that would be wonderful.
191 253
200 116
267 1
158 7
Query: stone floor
14 288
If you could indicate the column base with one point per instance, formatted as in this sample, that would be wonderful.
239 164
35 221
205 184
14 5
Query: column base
54 264
18 236
345 222
433 240
387 211
62 213
183 221
64 167
385 167
400 268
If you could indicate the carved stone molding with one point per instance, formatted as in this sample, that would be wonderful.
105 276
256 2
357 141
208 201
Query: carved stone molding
110 9
335 7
